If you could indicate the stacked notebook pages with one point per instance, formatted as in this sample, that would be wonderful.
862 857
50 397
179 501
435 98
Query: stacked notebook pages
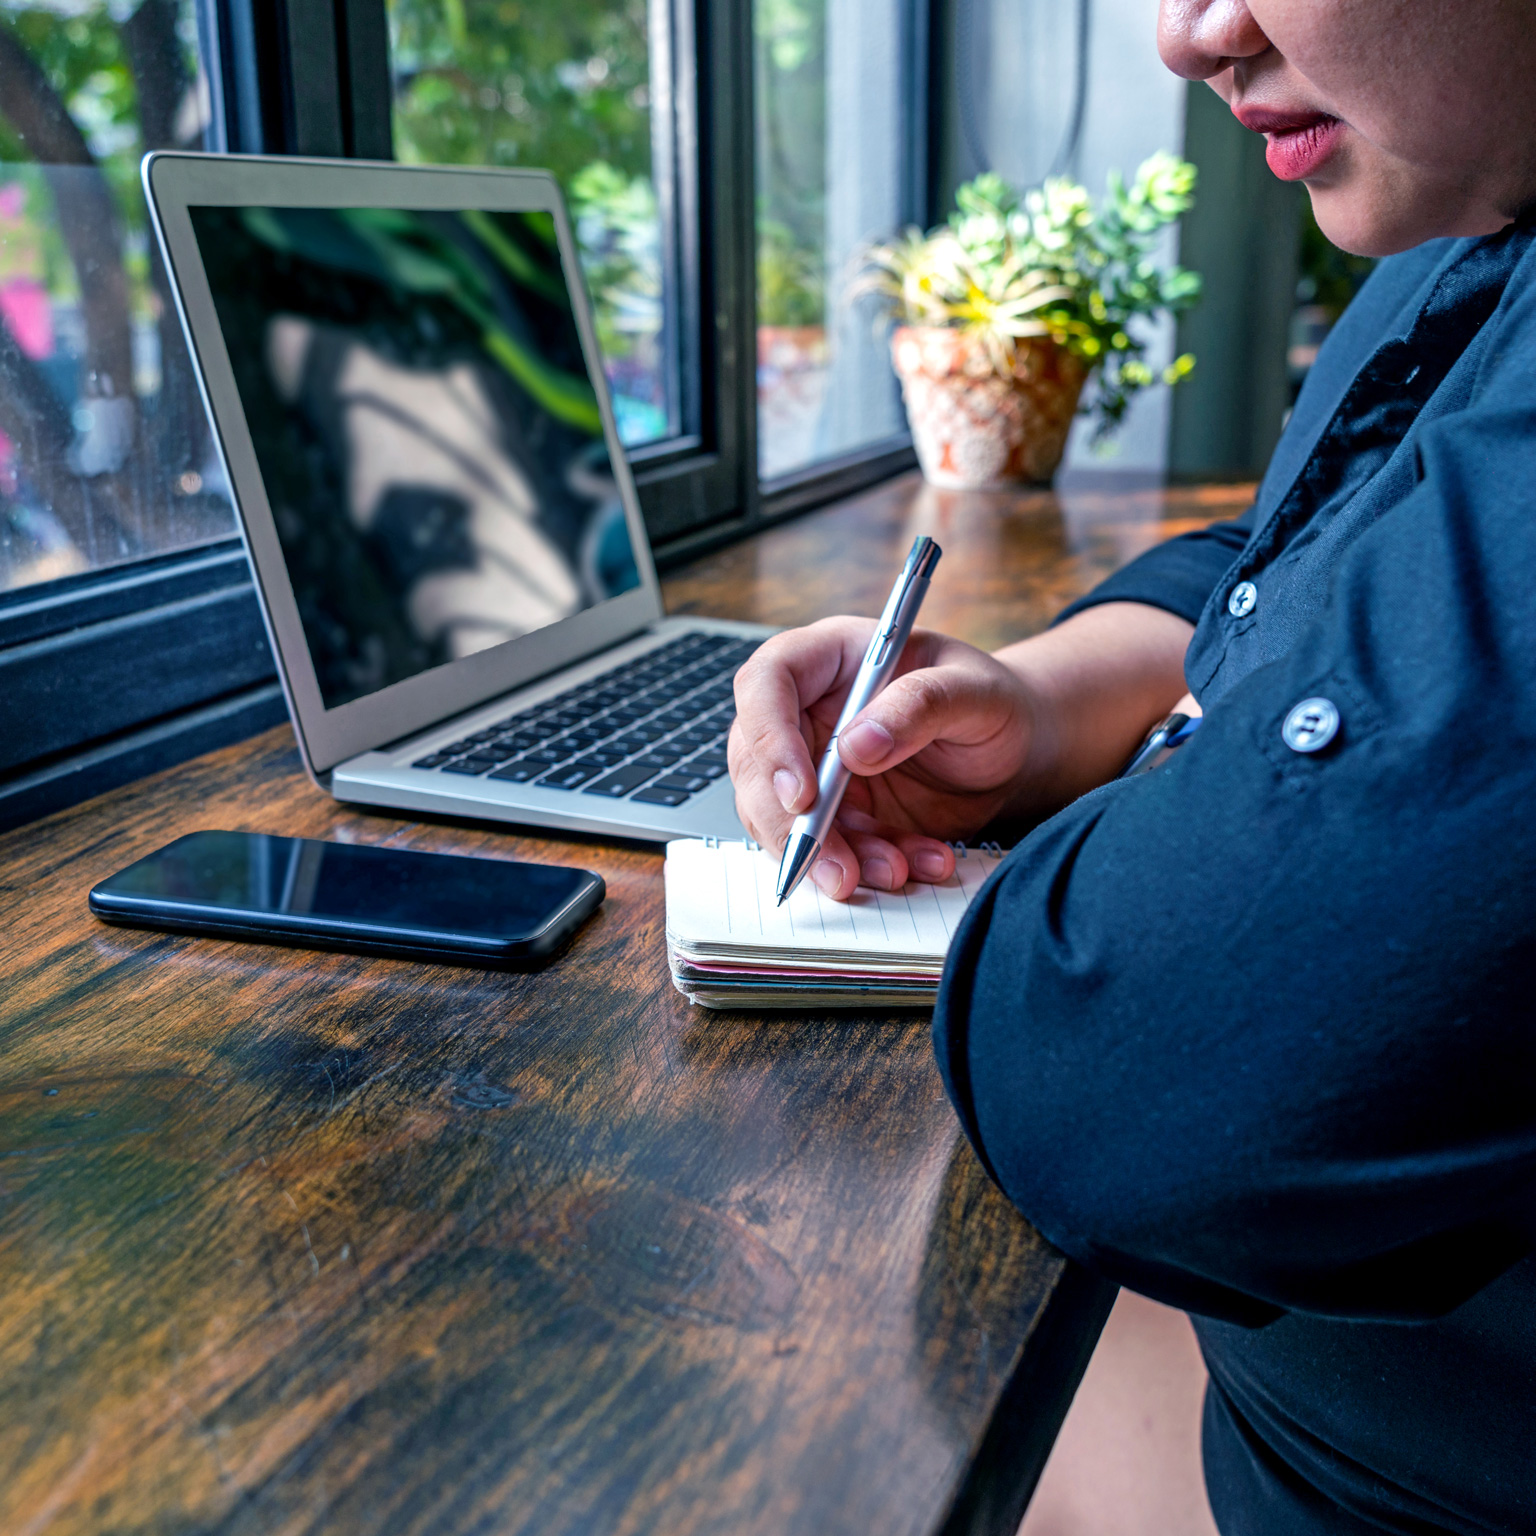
731 946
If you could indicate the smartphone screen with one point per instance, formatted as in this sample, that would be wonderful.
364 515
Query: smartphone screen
341 895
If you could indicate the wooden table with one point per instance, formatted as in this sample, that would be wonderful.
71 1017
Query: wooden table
294 1243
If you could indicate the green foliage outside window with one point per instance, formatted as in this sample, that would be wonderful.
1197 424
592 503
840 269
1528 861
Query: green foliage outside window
790 44
561 87
616 227
790 284
523 82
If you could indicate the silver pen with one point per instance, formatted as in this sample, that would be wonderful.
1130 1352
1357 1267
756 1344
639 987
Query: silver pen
810 830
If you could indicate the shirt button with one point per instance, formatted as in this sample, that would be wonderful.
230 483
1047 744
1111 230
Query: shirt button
1244 599
1311 725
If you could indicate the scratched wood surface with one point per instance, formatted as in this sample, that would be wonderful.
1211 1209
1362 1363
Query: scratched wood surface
303 1243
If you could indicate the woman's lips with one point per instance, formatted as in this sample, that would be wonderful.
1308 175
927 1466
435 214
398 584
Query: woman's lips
1299 144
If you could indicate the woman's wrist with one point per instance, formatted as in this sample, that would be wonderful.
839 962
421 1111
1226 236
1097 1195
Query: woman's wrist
1094 685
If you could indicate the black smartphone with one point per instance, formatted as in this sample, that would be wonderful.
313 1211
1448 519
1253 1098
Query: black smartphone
380 901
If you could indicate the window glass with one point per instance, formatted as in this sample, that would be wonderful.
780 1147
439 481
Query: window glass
565 86
105 454
830 174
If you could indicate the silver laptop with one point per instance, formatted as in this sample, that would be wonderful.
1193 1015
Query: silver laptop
404 383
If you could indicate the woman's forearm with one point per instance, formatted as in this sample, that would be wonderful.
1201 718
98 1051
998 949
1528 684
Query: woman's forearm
1098 682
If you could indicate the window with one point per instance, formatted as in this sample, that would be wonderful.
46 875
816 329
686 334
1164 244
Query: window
104 449
567 88
722 159
833 172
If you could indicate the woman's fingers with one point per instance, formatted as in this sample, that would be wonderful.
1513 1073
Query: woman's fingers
882 860
772 689
769 752
837 868
889 857
882 864
917 709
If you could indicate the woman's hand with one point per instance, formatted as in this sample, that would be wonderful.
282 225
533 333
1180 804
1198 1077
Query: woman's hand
935 756
956 740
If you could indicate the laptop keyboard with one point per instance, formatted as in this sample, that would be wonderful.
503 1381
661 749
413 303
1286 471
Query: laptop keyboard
652 730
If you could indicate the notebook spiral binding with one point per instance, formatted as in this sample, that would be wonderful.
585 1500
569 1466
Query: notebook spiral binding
962 852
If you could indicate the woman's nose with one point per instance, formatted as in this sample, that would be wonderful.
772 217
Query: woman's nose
1200 38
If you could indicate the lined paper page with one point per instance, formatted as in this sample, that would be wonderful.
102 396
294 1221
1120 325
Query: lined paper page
721 899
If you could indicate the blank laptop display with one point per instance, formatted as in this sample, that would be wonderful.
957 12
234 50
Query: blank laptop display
429 436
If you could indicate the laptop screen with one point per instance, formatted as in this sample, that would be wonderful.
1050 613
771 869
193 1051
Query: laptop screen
425 425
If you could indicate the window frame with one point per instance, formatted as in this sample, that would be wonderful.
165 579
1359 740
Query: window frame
164 658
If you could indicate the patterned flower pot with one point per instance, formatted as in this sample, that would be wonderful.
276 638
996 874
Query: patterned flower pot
975 429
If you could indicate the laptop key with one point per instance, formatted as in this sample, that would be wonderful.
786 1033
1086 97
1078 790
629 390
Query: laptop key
656 795
622 780
691 783
433 760
471 765
710 767
519 772
572 776
627 744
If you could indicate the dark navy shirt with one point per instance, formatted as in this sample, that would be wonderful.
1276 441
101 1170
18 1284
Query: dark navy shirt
1255 1033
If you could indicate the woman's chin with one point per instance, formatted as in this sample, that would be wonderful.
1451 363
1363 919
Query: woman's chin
1354 225
1370 217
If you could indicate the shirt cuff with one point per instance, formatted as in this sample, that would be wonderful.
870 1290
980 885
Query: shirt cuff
1178 575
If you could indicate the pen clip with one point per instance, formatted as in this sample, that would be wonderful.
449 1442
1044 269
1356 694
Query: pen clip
923 558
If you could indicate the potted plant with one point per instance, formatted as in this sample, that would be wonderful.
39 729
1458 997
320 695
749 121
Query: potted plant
1010 308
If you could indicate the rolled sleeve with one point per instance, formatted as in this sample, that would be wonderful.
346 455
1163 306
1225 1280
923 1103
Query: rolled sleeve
1178 575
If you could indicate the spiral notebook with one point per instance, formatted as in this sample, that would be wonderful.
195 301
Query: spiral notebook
731 946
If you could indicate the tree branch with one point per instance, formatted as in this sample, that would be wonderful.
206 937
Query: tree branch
161 82
87 217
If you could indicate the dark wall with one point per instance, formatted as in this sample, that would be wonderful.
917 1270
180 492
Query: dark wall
1243 235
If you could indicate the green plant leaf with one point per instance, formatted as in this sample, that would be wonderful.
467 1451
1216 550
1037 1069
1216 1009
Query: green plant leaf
1051 262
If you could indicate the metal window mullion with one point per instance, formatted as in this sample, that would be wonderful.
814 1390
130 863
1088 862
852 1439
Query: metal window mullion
674 124
716 482
314 99
731 174
281 77
368 89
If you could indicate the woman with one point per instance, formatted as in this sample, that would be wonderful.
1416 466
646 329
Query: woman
1253 1034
